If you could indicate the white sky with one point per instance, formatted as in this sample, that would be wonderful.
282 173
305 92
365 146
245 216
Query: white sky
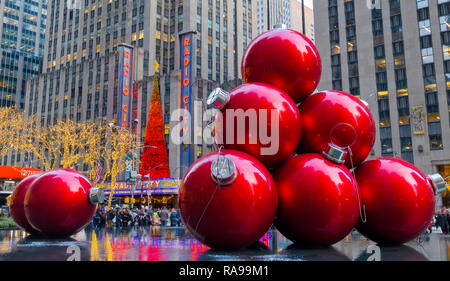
309 3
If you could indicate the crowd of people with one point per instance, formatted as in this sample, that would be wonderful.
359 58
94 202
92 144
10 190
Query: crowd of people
441 221
143 216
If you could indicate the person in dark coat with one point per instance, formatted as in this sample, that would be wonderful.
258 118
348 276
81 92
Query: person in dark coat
173 218
164 216
442 222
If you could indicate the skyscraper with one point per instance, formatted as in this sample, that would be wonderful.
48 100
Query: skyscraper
80 79
288 12
394 54
22 46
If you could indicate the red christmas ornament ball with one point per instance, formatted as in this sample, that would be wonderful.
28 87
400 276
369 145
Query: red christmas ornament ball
317 200
57 204
398 200
285 59
16 205
339 118
227 201
272 130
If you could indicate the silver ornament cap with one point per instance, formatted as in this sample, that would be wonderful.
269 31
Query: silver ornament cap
223 171
335 153
438 182
280 26
96 196
218 98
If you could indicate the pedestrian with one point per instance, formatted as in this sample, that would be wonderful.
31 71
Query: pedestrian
134 216
156 220
173 218
110 214
97 217
164 215
148 216
447 212
118 217
180 222
441 221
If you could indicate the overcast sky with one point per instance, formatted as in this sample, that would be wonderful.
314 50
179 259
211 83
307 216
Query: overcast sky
308 2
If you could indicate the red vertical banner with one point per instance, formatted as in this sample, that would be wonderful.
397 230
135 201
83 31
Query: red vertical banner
126 60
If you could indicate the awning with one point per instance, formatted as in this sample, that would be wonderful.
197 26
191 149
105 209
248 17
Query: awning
8 172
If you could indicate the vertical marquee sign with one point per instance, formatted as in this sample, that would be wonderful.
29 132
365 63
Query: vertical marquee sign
125 84
186 55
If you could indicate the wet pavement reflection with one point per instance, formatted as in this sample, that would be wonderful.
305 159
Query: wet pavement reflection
176 244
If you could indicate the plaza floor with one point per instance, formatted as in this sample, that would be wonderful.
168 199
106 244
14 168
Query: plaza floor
176 244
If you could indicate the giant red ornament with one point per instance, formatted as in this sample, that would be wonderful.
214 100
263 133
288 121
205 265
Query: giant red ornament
285 59
398 200
339 118
61 203
317 200
227 200
16 205
273 124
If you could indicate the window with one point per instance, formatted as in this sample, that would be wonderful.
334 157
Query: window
423 14
435 135
400 78
426 42
405 138
386 141
398 48
383 110
379 52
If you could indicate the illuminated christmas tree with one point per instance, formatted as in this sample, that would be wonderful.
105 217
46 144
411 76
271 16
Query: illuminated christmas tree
154 157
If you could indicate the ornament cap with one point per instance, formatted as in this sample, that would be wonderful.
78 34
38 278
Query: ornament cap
335 153
223 171
218 98
96 196
438 183
280 26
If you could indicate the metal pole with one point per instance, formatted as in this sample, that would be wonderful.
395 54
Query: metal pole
268 15
148 189
303 17
132 196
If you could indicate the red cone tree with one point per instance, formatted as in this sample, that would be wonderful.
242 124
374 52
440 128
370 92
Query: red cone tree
154 157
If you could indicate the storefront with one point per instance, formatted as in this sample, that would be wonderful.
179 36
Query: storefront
155 192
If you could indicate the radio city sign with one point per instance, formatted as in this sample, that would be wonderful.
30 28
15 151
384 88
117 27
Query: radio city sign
186 50
125 70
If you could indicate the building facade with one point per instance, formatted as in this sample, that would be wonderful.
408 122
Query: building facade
288 12
394 54
79 79
22 47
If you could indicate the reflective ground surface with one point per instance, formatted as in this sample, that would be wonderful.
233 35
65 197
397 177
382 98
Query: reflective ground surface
176 244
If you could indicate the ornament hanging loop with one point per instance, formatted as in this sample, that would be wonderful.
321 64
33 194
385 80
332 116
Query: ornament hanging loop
362 207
